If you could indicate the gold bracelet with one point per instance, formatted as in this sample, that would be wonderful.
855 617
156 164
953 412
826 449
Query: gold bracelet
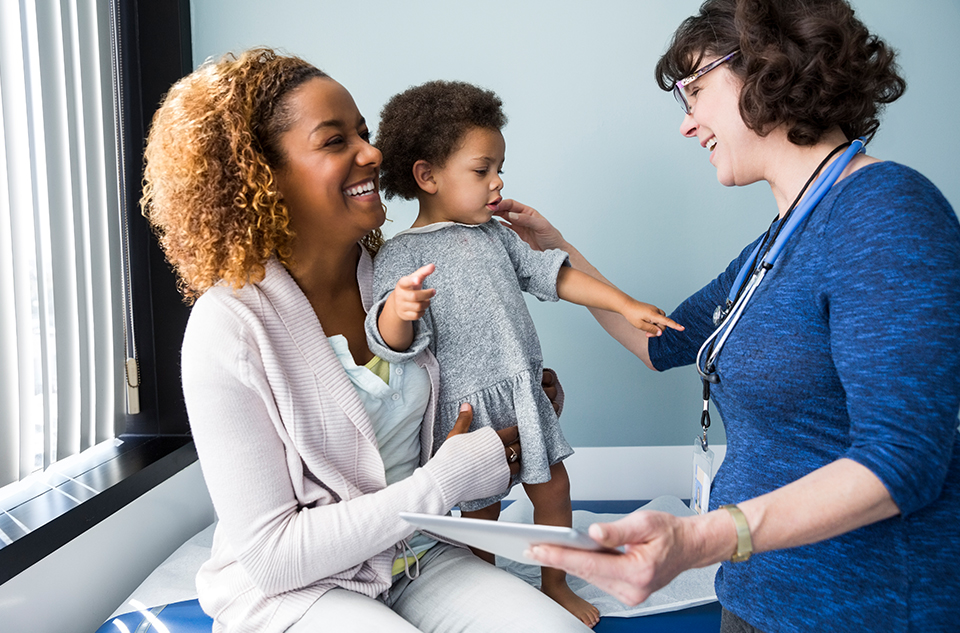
744 542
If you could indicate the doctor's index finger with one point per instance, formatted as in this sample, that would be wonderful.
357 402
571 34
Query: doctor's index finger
591 566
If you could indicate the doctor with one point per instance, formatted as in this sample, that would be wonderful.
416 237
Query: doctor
837 505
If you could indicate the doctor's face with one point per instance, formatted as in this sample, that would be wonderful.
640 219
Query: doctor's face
715 121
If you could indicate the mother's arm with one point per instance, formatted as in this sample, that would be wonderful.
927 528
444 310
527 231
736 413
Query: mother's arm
537 231
289 528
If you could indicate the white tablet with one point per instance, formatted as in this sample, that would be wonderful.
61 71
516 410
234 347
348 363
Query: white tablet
505 539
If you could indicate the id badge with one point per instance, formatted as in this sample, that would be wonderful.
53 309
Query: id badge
702 477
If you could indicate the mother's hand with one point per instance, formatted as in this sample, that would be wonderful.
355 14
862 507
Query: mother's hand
510 437
533 228
551 387
658 547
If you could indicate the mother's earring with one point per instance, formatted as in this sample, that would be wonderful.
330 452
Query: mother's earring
382 205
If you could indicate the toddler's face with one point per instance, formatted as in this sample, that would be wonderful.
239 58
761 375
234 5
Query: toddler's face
469 183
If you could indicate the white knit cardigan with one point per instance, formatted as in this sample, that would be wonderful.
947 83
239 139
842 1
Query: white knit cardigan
291 460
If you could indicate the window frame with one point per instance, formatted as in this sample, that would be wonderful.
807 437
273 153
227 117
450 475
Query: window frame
154 40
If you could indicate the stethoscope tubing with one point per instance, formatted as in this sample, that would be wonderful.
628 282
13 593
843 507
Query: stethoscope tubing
723 330
820 189
727 327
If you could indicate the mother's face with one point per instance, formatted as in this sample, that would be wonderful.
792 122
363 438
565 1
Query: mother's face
329 179
735 149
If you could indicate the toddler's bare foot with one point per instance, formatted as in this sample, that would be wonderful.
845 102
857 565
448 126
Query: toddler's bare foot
563 595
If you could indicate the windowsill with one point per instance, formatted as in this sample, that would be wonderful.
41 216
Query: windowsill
50 516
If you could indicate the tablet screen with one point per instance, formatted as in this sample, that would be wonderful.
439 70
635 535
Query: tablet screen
509 540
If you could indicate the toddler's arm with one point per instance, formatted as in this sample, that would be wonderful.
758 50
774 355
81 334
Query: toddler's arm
406 304
580 288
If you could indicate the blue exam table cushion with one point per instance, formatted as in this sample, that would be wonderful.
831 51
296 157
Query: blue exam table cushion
170 593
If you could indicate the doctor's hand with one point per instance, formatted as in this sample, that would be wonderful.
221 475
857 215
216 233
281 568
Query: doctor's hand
658 546
533 228
510 437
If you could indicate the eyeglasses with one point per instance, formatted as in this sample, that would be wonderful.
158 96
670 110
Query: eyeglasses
678 88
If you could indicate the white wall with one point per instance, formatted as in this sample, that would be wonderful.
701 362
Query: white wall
593 143
76 588
611 473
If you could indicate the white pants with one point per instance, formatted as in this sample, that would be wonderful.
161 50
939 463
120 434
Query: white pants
455 591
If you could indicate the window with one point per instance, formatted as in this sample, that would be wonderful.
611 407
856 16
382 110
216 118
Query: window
83 286
60 286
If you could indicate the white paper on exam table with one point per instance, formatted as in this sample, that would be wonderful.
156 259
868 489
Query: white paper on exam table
691 588
509 540
175 579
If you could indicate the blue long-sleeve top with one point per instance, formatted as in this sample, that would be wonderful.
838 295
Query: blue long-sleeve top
849 349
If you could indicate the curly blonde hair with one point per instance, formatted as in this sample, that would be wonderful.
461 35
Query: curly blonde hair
209 190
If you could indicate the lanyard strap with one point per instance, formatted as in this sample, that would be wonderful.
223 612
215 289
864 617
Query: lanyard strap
741 292
820 189
796 218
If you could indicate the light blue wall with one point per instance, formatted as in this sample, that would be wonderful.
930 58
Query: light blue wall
593 143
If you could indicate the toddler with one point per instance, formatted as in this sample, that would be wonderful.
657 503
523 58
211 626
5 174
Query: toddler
453 282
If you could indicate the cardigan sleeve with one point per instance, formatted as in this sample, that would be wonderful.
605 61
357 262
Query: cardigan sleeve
284 526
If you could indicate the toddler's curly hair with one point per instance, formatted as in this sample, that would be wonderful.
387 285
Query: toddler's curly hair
808 64
209 190
428 122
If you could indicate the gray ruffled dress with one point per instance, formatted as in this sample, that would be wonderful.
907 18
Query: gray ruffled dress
480 331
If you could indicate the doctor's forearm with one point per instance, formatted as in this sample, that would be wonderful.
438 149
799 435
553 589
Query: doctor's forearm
616 326
837 498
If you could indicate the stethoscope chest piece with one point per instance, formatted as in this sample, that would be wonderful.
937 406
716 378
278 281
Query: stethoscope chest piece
721 313
751 274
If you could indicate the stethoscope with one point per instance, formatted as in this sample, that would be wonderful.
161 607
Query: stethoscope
725 317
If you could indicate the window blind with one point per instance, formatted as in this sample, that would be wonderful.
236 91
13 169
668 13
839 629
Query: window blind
61 331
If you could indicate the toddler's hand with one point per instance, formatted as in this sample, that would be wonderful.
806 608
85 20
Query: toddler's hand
410 300
648 318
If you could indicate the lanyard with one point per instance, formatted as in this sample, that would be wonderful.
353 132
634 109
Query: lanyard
726 317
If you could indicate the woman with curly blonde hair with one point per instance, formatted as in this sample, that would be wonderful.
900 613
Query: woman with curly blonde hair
263 189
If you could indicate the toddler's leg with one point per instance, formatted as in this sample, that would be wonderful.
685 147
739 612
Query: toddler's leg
551 506
490 513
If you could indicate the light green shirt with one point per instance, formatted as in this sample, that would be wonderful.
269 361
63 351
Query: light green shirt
395 398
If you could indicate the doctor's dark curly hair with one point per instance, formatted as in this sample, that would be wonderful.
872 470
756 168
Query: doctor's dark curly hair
808 64
209 190
428 122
